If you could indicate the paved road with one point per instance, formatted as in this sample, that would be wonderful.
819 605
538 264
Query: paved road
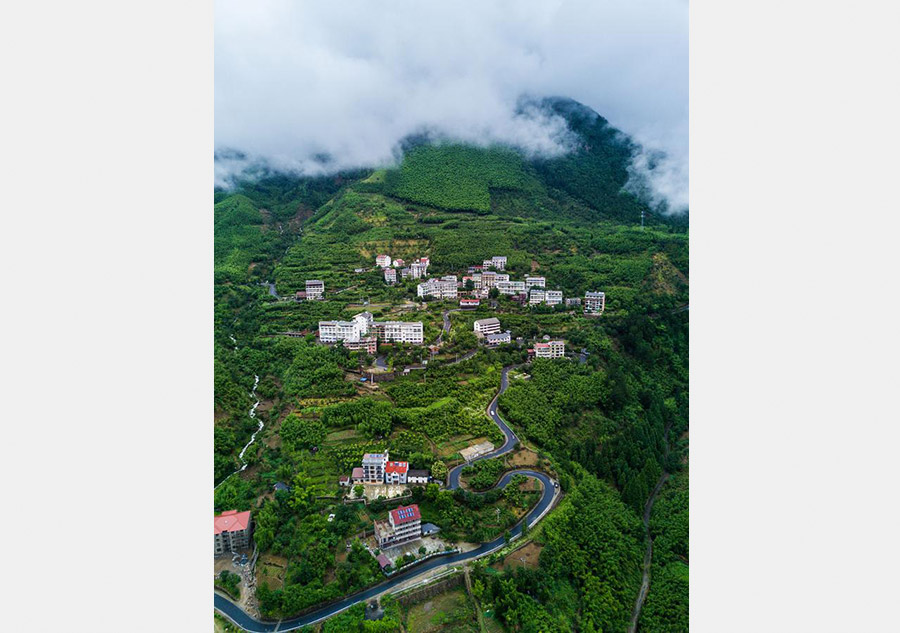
271 288
237 615
446 327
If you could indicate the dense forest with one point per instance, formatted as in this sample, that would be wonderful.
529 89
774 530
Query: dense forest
609 421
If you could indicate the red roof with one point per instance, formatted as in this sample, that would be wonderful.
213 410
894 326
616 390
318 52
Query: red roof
541 345
396 467
231 521
405 514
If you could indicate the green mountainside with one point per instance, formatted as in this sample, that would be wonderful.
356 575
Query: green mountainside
608 424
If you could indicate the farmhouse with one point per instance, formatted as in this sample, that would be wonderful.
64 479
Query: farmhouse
395 472
403 525
231 531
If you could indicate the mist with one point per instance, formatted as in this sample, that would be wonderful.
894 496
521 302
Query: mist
314 88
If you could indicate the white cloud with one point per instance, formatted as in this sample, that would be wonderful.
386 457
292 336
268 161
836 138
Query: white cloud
299 79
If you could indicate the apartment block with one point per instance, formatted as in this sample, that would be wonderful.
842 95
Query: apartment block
231 531
536 296
488 279
403 525
383 260
368 344
594 302
399 331
496 262
444 288
550 349
493 340
390 276
535 282
510 287
315 290
553 297
573 301
487 326
353 331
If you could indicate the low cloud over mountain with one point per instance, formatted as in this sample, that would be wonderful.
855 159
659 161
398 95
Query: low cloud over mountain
315 87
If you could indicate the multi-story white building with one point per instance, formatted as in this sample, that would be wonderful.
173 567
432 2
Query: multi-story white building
374 465
369 344
399 331
573 301
493 340
510 287
315 290
487 326
550 349
353 331
395 472
553 297
405 272
403 525
469 303
231 531
390 276
383 260
417 476
497 262
419 268
594 302
536 296
444 288
535 282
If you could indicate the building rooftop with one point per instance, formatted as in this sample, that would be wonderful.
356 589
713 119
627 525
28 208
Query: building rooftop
396 467
232 521
489 321
406 514
418 473
383 560
357 473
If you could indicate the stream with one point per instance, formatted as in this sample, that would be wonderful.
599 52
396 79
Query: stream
252 437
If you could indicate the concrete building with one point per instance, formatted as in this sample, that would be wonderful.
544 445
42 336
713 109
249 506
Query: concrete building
419 268
231 531
510 287
353 331
315 290
553 297
399 331
573 301
488 279
536 296
300 295
369 344
395 472
390 276
487 326
373 467
550 349
357 475
403 525
417 476
469 303
444 288
405 273
383 260
496 262
497 339
594 302
535 282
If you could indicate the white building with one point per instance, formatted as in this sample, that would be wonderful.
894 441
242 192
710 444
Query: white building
594 302
535 282
510 287
399 331
374 465
487 326
383 260
353 330
488 279
315 290
553 297
536 296
390 276
395 473
444 288
497 262
231 531
417 476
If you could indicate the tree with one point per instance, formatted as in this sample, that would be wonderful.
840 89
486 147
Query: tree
439 470
493 293
297 432
359 490
422 550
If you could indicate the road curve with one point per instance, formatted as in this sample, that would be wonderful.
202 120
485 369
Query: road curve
242 619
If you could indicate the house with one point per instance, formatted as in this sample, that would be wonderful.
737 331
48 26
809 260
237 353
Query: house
280 485
417 476
535 282
594 302
399 263
300 295
357 475
487 326
573 301
231 531
510 287
404 524
383 260
373 467
404 273
497 339
400 331
383 561
395 472
344 480
551 349
469 304
315 290
390 276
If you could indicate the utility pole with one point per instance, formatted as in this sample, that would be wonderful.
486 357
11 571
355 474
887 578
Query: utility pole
642 219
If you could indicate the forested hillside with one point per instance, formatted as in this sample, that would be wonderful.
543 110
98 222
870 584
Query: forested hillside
607 421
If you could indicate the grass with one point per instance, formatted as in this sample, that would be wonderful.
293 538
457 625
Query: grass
450 611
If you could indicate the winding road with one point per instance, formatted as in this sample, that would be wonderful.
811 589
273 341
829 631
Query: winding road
548 495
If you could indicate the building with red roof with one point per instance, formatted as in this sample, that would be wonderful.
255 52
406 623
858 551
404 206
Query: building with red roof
404 524
231 531
395 472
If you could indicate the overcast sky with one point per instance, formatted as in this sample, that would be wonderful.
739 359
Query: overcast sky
350 79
